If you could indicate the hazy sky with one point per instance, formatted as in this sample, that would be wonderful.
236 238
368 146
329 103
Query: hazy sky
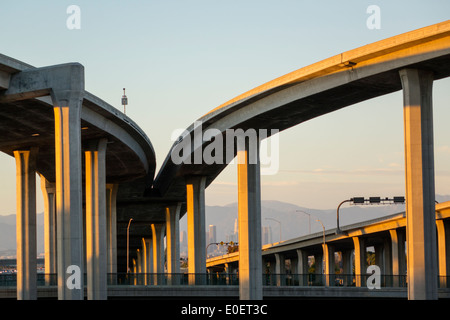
180 59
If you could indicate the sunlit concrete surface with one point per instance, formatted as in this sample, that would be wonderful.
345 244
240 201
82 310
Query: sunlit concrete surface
48 109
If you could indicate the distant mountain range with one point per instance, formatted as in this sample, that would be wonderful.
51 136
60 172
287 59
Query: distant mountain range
293 220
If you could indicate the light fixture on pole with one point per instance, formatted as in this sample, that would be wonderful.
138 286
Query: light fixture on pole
323 228
278 223
309 217
363 201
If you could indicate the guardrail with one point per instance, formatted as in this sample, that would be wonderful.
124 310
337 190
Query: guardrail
230 279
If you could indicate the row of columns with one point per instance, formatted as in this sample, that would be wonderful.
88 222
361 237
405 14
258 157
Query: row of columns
249 198
420 200
390 257
421 236
64 236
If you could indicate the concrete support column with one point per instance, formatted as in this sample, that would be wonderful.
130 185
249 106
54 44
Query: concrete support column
360 260
328 253
302 267
138 272
158 231
280 269
420 191
96 253
195 193
111 231
443 233
173 242
149 260
26 224
347 266
398 256
69 210
144 261
49 194
249 219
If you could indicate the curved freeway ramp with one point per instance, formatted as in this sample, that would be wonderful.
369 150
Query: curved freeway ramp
79 145
326 86
408 62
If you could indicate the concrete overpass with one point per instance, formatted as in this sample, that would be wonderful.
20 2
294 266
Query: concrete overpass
288 262
51 125
408 62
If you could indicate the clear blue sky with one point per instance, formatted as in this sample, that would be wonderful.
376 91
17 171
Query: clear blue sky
180 59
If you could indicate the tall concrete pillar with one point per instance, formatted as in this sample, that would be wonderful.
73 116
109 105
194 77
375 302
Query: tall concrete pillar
280 268
302 267
347 266
138 273
328 253
443 233
360 260
249 220
146 260
69 210
420 191
49 194
158 231
173 242
149 258
195 193
26 224
111 230
398 255
96 254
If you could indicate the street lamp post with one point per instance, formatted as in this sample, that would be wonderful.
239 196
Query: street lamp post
128 245
278 223
370 200
338 230
309 218
318 220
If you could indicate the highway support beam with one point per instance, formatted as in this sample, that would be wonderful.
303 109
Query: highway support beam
67 92
360 260
420 189
111 230
328 254
249 220
26 224
48 190
96 248
195 200
65 84
173 241
158 231
145 248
